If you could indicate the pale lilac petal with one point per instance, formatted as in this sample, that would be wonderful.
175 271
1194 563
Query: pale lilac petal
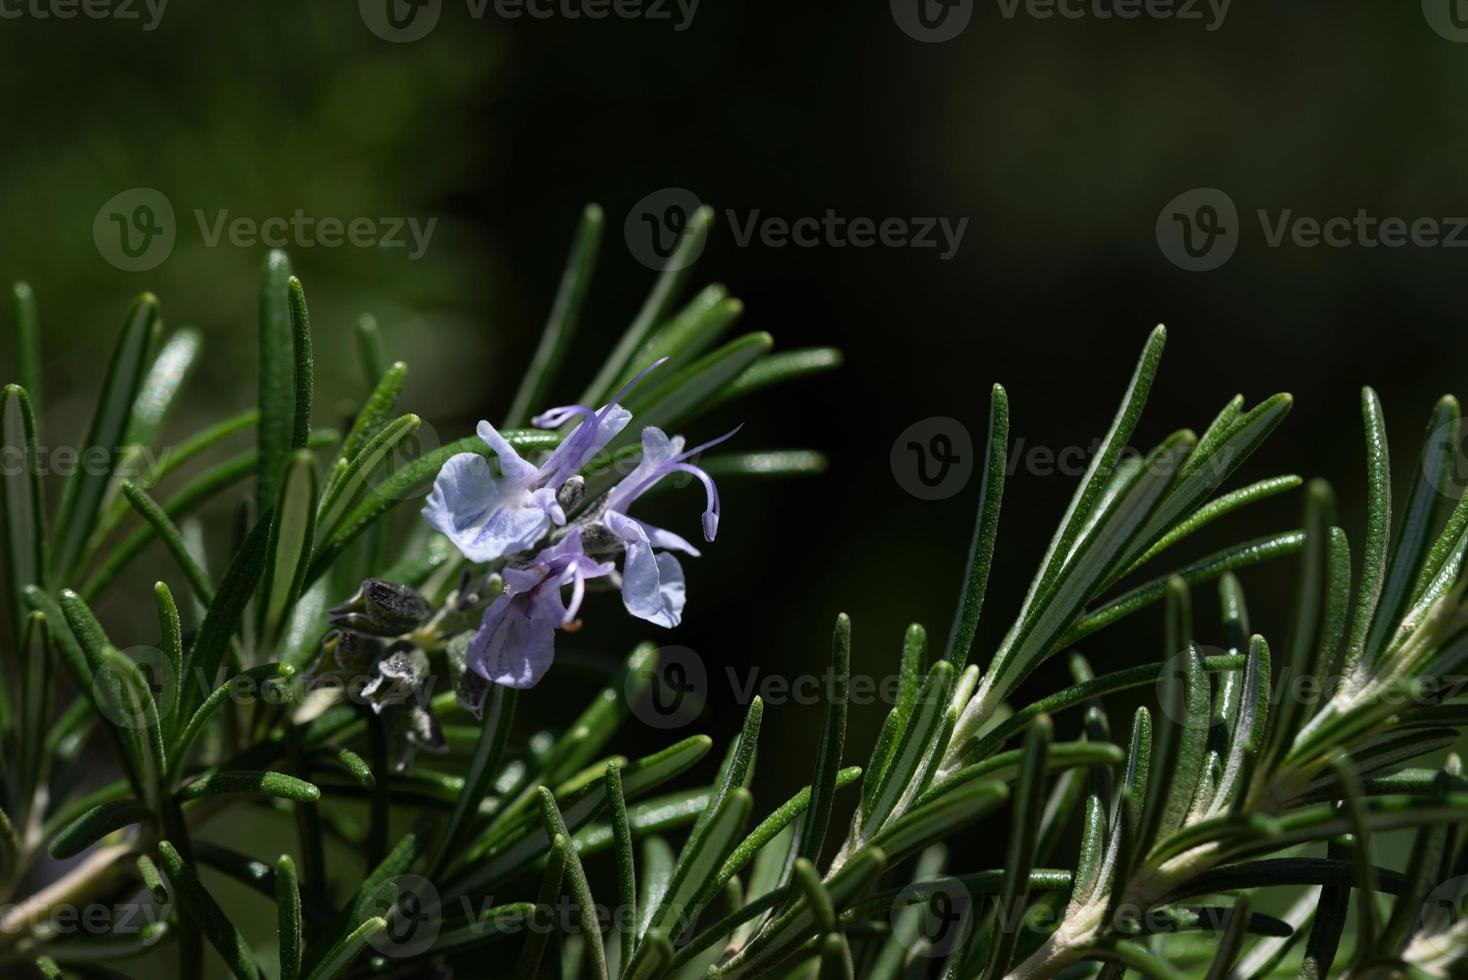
483 516
652 584
512 466
667 540
512 648
584 442
506 531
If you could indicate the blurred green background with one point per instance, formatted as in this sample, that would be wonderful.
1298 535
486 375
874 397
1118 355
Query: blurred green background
1058 140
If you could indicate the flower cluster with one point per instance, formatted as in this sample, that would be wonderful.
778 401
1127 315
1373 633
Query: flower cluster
535 520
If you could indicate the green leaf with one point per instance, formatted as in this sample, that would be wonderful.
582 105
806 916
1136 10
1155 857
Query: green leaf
35 709
810 831
1378 527
302 363
1427 504
580 887
986 530
191 497
775 369
493 924
1367 924
565 317
784 463
222 619
22 499
95 824
340 956
289 931
528 966
1423 868
1178 746
912 749
276 784
654 309
1103 465
160 387
772 826
277 379
668 404
1029 801
688 334
1306 624
376 412
626 871
484 766
1212 511
149 511
200 907
933 820
410 481
808 879
653 958
141 712
695 877
85 489
288 551
28 340
252 680
782 937
349 482
1228 560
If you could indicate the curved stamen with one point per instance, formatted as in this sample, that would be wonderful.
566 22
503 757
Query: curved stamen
554 418
578 592
622 498
711 511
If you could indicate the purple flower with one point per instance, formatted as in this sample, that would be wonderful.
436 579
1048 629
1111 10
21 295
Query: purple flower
488 516
516 639
652 580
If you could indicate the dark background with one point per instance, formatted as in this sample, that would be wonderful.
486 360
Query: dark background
1058 140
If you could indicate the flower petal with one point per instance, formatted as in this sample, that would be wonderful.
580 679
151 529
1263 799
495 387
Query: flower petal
512 648
513 466
486 517
652 584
